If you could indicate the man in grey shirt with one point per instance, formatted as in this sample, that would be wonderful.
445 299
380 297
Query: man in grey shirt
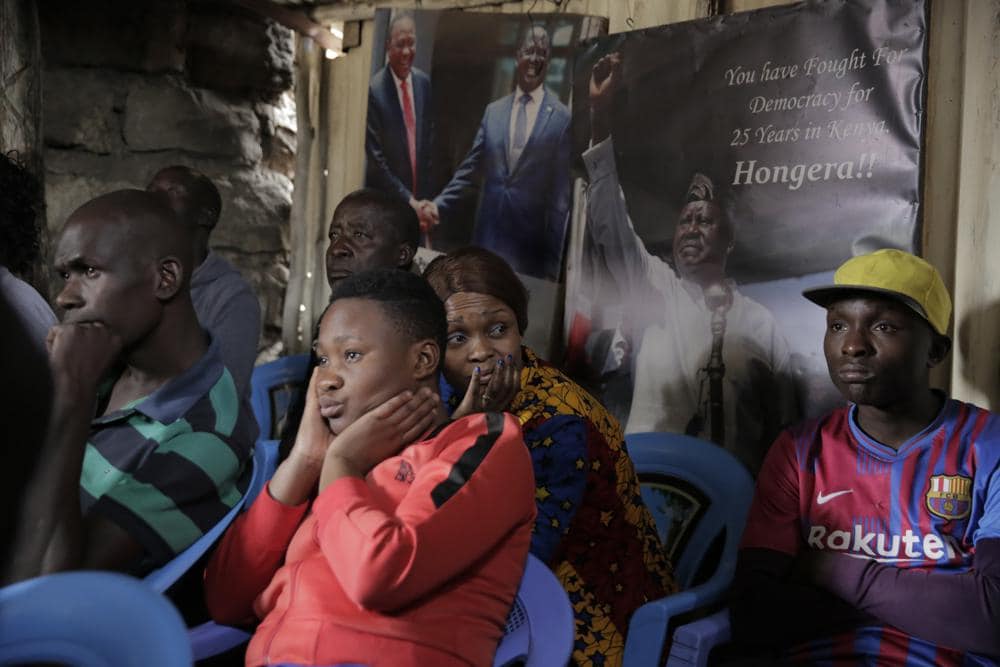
19 248
225 304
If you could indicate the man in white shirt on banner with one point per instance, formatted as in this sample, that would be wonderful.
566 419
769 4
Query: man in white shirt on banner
685 306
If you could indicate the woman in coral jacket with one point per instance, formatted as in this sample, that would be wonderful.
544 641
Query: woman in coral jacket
389 536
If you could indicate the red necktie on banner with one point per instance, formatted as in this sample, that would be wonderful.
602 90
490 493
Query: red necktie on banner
411 133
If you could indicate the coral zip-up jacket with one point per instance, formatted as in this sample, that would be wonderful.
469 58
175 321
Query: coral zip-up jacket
417 564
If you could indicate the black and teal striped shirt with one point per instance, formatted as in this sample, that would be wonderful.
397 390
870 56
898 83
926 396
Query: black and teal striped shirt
168 467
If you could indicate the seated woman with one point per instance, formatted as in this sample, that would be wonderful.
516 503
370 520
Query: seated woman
390 536
592 527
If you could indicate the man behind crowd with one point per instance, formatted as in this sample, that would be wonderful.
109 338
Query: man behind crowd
370 229
671 390
389 536
519 163
400 132
874 534
225 304
147 436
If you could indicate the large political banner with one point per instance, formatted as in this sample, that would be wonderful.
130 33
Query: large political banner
460 143
469 121
726 164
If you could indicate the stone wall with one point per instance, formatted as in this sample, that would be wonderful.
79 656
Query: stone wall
129 88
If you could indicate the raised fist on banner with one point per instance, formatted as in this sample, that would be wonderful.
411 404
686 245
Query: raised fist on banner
605 80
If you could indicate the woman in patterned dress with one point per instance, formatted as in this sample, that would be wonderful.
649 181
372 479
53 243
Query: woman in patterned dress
592 528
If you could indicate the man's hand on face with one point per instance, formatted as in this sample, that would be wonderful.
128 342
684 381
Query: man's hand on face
379 434
495 395
605 80
80 354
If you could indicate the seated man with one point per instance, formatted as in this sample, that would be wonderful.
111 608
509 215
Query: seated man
389 535
224 302
874 534
147 436
19 248
370 229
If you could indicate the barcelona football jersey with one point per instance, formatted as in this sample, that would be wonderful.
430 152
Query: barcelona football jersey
827 485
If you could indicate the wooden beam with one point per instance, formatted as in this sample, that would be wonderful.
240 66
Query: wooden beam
297 20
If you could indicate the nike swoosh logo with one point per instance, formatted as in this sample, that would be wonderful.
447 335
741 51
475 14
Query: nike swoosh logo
822 500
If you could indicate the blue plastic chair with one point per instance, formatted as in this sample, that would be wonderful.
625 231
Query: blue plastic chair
274 388
539 629
669 460
693 642
540 625
90 619
163 578
209 638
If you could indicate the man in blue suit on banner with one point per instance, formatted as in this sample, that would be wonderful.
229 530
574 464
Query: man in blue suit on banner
400 127
520 162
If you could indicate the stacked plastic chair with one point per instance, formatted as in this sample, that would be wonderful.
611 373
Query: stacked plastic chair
539 630
726 486
90 619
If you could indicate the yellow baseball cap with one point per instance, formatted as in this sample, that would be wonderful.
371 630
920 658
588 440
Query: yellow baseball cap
895 274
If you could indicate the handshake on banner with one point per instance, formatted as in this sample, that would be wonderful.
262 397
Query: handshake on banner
427 211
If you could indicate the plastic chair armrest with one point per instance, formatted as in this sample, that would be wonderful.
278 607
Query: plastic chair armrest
647 631
210 639
693 642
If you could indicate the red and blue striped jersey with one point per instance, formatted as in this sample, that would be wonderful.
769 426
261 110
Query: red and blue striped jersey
827 485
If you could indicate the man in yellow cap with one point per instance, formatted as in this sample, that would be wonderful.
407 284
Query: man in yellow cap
874 534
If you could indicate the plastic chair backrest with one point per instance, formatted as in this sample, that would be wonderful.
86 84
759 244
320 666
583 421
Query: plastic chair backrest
90 619
274 388
723 483
265 458
163 578
539 630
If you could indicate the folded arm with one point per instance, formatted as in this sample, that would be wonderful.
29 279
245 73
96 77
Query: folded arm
902 597
773 606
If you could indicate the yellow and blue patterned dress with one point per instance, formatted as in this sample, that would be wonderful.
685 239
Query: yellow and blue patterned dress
592 528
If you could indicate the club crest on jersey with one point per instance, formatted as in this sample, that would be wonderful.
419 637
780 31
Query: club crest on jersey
950 496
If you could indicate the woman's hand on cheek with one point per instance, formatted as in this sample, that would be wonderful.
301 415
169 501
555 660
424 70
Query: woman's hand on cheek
379 434
295 479
493 396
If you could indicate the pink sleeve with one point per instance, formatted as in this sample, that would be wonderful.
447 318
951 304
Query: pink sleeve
459 507
250 552
774 521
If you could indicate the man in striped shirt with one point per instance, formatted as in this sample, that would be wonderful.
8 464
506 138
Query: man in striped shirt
874 534
147 437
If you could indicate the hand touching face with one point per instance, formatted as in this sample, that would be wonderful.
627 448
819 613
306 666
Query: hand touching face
483 335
